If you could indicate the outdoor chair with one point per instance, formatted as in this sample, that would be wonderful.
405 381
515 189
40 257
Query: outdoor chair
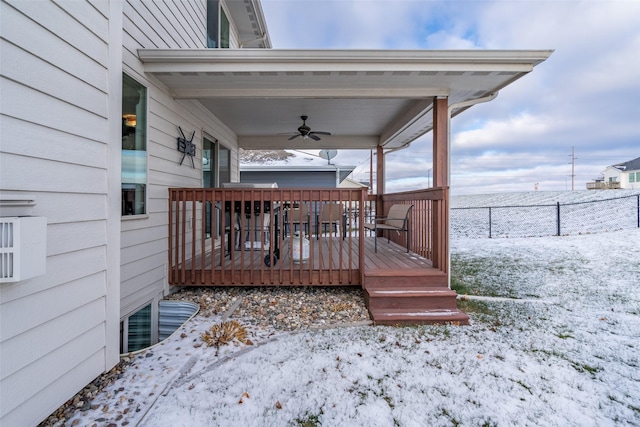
396 220
331 215
298 216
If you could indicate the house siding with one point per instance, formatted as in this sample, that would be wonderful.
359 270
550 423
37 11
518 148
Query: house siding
61 76
55 129
620 176
144 238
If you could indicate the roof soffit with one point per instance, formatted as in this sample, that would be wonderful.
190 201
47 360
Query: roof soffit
250 23
365 98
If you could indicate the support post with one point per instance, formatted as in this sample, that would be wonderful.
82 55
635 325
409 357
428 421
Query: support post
440 143
440 217
379 170
379 182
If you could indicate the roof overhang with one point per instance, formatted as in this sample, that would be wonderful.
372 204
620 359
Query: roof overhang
365 98
250 23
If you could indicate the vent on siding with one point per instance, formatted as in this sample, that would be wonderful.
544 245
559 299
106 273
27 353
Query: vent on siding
23 246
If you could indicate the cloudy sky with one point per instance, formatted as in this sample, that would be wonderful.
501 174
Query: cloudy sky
586 95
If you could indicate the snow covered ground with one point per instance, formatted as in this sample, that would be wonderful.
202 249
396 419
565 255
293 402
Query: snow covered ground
543 213
554 341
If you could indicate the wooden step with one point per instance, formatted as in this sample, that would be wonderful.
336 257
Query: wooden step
403 278
411 298
419 317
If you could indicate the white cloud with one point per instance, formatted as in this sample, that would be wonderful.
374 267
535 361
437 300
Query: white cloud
445 40
502 134
584 96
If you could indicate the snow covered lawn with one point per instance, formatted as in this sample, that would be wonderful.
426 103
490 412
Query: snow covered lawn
558 343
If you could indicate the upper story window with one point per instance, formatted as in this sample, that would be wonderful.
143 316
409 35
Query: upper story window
134 147
217 25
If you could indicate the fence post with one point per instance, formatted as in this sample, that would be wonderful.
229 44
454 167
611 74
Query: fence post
489 221
638 208
558 216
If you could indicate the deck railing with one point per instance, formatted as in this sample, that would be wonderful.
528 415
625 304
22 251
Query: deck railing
246 236
251 237
428 223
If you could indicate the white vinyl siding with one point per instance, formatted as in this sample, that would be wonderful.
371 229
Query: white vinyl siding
144 241
55 149
61 65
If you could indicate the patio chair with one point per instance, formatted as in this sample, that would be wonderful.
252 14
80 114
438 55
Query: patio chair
332 215
298 216
396 220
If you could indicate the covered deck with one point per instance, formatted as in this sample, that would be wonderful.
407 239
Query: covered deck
249 237
380 101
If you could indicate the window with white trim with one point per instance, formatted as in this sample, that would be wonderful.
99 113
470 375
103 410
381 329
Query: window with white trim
217 25
134 147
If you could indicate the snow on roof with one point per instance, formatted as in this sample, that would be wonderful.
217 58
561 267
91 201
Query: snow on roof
297 160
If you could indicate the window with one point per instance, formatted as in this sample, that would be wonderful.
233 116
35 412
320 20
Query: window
134 147
216 169
217 25
208 163
224 164
632 177
224 30
135 331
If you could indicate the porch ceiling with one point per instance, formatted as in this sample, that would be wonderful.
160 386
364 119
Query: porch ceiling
365 98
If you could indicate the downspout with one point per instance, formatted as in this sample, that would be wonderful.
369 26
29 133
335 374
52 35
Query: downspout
259 39
462 104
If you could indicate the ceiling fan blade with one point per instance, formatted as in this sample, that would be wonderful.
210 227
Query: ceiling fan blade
313 136
294 137
321 133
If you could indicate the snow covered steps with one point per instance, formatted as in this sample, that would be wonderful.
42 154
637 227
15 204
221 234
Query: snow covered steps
410 297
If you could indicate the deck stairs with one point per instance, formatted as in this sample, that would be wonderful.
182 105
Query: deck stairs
411 297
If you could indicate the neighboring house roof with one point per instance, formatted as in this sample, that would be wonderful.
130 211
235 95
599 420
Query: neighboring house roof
344 171
365 98
631 165
352 183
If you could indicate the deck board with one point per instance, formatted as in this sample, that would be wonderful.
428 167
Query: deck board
389 256
329 263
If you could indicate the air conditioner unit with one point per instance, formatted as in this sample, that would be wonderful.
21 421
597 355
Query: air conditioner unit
23 247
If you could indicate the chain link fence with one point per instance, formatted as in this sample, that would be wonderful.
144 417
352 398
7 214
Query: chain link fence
557 219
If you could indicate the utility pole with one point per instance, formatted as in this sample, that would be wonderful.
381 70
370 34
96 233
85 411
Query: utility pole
573 166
